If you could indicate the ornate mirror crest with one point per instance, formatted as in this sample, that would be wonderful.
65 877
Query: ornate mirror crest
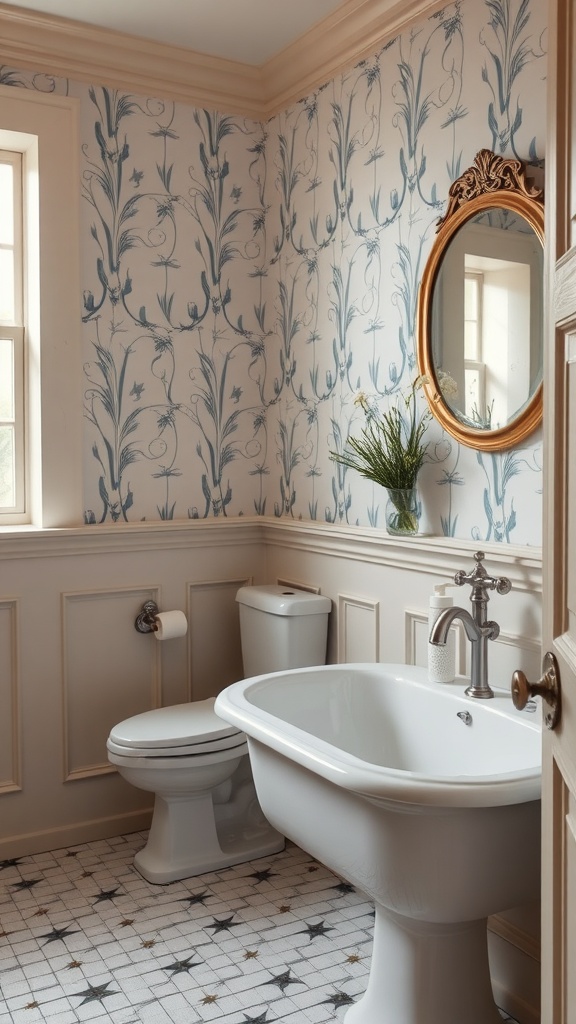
480 307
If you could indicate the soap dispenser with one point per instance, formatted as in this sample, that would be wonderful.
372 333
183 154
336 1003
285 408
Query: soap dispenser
441 659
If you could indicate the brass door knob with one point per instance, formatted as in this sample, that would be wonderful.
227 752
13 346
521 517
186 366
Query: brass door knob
548 687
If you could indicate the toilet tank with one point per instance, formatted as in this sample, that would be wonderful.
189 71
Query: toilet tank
281 628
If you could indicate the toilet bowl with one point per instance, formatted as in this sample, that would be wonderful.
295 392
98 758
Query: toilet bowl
206 812
206 815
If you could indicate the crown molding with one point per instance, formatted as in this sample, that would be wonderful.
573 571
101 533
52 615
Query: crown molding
60 46
72 49
353 32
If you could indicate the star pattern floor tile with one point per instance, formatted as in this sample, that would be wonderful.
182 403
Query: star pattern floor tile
84 938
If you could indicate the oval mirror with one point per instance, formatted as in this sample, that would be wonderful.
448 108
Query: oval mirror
480 308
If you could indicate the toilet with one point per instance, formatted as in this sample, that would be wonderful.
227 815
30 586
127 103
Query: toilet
206 813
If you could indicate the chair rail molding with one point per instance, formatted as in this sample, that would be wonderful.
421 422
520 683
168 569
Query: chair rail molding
433 556
438 556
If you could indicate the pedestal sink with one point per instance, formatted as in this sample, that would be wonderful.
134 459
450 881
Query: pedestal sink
424 798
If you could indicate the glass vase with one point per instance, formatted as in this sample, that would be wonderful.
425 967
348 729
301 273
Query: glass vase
402 512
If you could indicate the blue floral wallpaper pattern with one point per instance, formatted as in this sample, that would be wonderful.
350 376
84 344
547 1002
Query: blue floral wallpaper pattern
243 281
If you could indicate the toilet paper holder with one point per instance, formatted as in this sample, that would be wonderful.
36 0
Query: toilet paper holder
146 619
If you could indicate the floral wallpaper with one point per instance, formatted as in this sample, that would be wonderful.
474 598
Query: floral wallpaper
243 282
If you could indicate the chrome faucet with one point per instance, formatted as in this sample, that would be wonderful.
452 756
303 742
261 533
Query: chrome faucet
479 630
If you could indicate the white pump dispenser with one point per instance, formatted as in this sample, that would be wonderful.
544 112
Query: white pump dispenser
441 660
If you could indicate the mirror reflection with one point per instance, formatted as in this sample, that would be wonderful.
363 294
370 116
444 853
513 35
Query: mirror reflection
480 307
487 318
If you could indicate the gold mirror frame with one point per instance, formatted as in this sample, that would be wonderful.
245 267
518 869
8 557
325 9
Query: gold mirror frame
491 182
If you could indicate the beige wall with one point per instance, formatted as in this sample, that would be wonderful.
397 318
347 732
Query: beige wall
68 602
75 665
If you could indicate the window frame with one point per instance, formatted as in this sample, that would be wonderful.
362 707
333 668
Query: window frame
476 365
14 331
45 129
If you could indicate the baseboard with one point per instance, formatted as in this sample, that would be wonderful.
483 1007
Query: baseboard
515 979
74 835
517 1007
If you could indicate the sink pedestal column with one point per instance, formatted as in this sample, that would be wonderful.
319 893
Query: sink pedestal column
427 972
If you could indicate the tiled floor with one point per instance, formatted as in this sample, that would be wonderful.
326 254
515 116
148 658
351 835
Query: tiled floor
84 938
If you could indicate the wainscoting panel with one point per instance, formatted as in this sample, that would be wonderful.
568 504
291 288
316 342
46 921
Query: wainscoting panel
514 953
398 577
296 585
510 652
416 640
84 667
214 631
81 666
506 654
110 671
358 629
9 698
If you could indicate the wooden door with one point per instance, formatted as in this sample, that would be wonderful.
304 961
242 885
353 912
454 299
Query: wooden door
559 548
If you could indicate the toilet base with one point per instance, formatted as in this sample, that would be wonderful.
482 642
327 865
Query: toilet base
191 835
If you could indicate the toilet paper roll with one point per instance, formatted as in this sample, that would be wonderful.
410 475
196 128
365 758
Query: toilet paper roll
169 625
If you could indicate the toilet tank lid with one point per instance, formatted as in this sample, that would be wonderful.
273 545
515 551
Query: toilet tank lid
280 600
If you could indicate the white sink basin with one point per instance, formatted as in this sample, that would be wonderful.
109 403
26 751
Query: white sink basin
385 731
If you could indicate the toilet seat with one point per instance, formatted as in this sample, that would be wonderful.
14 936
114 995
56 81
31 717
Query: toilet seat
182 730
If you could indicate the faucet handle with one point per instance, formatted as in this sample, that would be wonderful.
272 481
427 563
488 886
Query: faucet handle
478 577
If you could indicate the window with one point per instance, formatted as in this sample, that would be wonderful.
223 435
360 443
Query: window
474 366
41 344
12 419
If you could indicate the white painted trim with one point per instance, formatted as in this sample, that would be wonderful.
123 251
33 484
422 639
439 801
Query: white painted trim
411 620
13 785
283 581
60 46
151 593
516 1007
85 53
519 642
142 536
515 962
523 940
372 608
28 843
435 556
354 32
47 126
223 582
196 587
